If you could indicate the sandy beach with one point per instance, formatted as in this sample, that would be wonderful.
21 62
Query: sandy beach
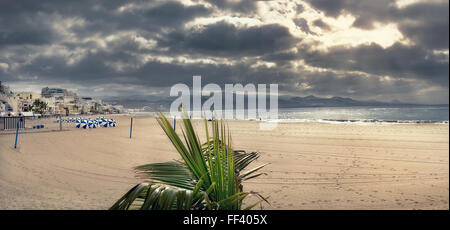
312 165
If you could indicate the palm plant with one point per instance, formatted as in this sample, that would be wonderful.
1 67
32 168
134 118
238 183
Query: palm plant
39 106
209 177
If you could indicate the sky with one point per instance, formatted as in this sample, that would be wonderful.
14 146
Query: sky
381 50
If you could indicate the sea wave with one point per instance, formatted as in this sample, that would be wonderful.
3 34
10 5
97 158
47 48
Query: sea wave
357 121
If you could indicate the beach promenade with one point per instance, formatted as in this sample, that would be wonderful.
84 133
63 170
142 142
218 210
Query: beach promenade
312 165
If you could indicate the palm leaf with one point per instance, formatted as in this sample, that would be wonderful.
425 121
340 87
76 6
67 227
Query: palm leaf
208 177
148 196
171 173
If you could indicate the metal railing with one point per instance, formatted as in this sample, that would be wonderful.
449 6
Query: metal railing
10 123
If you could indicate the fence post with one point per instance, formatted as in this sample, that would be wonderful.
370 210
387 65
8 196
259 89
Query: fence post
17 133
174 122
131 127
60 123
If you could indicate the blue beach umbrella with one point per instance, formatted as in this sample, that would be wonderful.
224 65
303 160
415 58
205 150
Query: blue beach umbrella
84 123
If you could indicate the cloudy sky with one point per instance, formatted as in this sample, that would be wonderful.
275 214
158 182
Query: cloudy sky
365 49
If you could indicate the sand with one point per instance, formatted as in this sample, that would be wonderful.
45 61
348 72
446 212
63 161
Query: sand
312 165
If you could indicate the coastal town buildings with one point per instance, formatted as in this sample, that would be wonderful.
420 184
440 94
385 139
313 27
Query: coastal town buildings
25 100
8 100
53 92
57 100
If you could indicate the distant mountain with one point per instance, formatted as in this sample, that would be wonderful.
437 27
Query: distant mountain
147 103
312 101
155 103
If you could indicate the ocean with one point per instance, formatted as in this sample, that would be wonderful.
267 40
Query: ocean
366 114
406 114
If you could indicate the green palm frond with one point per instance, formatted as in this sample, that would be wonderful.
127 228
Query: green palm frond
149 196
170 173
208 177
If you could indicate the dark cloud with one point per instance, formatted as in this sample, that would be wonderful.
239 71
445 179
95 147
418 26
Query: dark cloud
329 7
29 22
225 39
321 24
93 44
243 6
27 35
19 26
303 25
396 61
172 13
426 24
300 8
93 70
